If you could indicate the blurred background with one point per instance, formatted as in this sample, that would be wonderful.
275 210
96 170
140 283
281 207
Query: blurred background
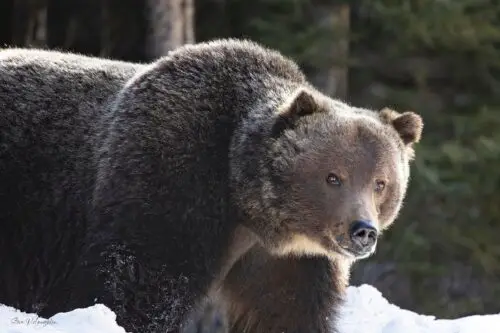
440 58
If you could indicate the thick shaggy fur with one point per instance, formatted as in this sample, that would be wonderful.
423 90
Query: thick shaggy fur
150 187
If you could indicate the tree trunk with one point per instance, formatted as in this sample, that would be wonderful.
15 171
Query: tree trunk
171 25
337 83
30 23
331 77
6 22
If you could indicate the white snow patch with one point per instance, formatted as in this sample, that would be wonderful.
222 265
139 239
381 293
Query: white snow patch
366 310
94 319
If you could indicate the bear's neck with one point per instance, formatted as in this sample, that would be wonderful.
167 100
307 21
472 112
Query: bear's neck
240 242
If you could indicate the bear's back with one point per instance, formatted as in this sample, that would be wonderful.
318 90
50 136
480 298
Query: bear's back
41 88
51 106
237 57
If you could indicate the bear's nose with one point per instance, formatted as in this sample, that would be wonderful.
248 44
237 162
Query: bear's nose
363 234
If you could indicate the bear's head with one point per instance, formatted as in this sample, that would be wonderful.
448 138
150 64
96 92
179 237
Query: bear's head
318 177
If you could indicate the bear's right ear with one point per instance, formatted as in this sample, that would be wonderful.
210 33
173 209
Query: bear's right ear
302 103
408 124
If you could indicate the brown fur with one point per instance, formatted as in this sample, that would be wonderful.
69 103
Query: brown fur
267 293
145 187
357 145
308 266
264 293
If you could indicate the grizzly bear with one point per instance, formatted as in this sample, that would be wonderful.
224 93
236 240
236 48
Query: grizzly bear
216 173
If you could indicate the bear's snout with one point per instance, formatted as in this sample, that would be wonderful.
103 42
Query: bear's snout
364 236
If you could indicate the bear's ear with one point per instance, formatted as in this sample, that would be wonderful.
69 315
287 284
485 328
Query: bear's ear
408 124
300 104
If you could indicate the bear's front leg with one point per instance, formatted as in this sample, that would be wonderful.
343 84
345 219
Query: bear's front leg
269 294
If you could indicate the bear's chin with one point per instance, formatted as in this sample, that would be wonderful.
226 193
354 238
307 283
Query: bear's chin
301 245
357 256
354 255
283 244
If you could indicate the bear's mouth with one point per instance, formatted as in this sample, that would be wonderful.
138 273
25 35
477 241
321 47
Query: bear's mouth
352 252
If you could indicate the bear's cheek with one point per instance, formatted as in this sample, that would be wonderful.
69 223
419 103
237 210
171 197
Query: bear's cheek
389 210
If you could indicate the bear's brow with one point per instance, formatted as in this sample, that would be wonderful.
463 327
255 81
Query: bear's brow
372 152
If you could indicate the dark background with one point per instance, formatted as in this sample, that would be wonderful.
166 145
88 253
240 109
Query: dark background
440 58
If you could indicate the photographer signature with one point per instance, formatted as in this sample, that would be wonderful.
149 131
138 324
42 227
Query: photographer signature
36 321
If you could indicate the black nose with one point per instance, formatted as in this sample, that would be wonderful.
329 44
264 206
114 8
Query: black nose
363 234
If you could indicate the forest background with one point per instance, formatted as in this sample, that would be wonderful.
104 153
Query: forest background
440 58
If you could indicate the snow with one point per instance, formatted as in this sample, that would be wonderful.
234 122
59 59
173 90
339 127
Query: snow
366 310
94 319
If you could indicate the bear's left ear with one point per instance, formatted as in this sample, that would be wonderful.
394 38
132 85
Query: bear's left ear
300 104
408 124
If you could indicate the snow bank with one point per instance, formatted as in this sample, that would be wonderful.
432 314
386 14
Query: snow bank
94 319
366 310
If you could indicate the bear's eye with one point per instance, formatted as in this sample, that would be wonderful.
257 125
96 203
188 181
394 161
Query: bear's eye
379 186
333 179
